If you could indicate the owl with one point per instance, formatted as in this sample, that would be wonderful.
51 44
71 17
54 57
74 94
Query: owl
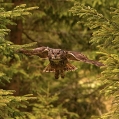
59 59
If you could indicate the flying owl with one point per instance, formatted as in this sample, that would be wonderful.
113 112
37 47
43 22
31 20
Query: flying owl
59 59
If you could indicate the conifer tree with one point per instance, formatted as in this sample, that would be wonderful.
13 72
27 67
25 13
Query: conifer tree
104 27
9 104
76 96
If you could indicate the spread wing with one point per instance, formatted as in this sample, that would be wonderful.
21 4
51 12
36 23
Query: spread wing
72 55
40 51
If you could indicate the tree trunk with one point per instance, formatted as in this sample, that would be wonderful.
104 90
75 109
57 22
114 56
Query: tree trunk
16 30
16 38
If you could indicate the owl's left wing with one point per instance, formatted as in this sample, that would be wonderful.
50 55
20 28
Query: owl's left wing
72 55
40 51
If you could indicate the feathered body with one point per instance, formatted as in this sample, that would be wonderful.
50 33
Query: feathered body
59 59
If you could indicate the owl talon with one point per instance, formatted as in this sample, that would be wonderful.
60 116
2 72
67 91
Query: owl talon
62 76
56 74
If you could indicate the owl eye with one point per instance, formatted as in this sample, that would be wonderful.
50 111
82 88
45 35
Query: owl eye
58 53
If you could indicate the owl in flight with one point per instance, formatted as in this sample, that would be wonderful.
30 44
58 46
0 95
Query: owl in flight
59 59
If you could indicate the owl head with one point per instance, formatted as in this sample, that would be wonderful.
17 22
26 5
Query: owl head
56 54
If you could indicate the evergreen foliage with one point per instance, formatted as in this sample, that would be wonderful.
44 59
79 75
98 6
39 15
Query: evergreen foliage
57 28
10 105
52 24
105 37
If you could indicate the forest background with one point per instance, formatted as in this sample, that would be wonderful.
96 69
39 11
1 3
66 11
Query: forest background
87 26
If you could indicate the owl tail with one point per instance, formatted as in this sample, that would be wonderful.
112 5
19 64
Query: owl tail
70 67
48 68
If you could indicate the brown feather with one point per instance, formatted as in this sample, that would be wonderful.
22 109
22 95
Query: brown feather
77 56
41 52
49 68
58 59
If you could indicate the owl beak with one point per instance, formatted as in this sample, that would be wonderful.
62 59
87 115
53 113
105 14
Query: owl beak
55 56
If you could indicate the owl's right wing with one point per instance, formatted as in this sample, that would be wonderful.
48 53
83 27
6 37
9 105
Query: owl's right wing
40 51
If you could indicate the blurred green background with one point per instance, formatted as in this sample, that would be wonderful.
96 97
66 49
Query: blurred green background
56 24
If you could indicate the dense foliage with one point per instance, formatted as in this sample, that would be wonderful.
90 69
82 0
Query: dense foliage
27 92
105 37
